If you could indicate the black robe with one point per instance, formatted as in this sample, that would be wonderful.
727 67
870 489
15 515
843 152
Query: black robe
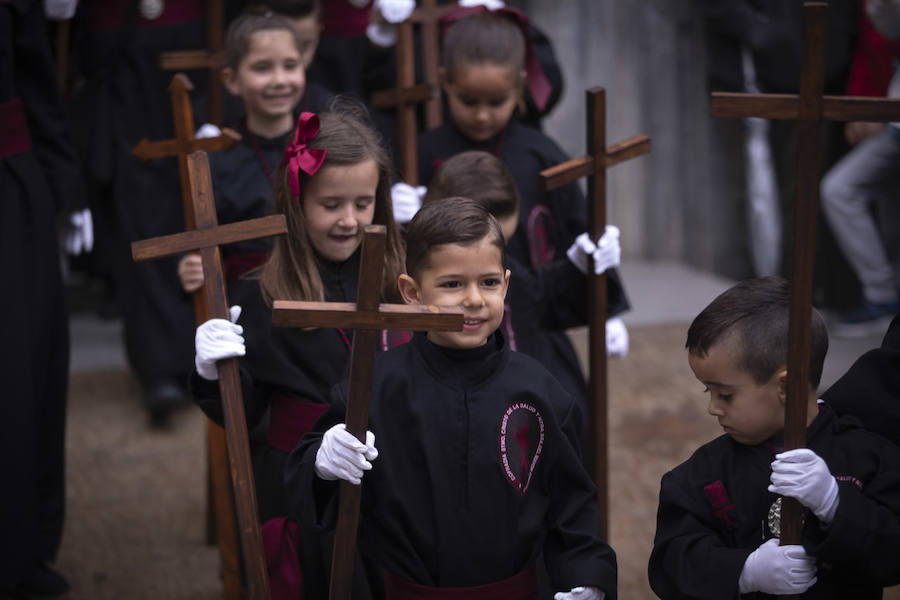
870 389
713 513
39 177
478 472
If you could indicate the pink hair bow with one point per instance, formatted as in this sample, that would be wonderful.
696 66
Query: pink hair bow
300 158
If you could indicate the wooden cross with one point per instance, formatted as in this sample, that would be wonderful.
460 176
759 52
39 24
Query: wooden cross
207 238
405 97
593 166
809 108
211 59
367 317
427 16
221 508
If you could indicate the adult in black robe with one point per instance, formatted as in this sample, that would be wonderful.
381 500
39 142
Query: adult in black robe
870 389
39 178
479 470
714 507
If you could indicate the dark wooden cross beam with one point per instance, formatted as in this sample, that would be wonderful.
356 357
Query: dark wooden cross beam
207 238
220 511
809 108
427 16
593 166
211 59
367 317
406 95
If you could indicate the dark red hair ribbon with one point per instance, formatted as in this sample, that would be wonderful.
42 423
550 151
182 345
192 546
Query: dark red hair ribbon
300 158
537 82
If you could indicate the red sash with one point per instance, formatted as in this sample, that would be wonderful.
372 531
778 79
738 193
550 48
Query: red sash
14 138
290 419
280 543
523 586
237 265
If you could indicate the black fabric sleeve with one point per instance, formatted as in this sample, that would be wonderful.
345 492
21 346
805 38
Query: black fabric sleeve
689 558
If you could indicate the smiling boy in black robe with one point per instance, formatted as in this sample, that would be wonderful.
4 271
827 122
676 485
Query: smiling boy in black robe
478 466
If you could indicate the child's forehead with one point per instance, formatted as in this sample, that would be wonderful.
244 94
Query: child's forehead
482 255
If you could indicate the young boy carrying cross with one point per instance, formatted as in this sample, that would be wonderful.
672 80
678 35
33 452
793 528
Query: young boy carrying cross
719 512
478 468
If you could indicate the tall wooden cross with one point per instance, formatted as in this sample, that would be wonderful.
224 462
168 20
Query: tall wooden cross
207 238
427 16
809 108
211 59
367 317
593 165
221 506
404 97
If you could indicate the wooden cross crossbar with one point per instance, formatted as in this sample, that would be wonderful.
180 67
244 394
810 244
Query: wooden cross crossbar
809 108
404 97
212 59
367 317
204 212
593 166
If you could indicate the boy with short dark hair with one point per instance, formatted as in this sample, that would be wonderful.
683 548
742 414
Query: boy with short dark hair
478 468
719 511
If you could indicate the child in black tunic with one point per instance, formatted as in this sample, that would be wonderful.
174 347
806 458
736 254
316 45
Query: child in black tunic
542 303
264 67
478 466
719 512
333 183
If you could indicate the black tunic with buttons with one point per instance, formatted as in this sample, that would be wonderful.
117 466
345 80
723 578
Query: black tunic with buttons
713 512
478 472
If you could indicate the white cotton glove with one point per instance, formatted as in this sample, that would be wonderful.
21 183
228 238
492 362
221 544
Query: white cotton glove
407 201
207 130
217 339
802 474
616 337
779 570
489 4
395 11
60 10
581 593
606 252
342 456
382 34
80 233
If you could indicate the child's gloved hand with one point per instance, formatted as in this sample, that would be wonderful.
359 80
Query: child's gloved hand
342 456
606 252
218 339
802 474
616 337
395 11
207 130
190 272
80 232
407 201
382 30
581 593
779 570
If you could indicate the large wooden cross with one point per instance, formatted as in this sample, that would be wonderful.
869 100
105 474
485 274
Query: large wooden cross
207 238
593 166
427 16
220 510
809 108
368 318
405 97
211 59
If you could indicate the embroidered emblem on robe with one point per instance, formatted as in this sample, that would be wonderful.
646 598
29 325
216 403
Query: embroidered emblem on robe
521 443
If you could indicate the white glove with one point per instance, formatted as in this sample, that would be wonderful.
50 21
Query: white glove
606 252
779 570
616 337
407 201
207 130
60 10
382 34
802 474
342 456
80 233
217 339
581 593
395 11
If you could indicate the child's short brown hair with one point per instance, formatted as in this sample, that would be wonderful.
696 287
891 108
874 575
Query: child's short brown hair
480 176
453 220
757 311
483 38
237 38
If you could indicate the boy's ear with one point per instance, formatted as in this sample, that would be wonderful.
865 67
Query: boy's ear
229 78
782 385
409 289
